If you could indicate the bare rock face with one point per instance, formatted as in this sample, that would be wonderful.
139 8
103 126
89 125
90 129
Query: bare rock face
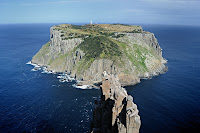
115 112
140 54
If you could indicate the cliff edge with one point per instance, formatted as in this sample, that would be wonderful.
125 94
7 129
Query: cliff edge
86 51
115 112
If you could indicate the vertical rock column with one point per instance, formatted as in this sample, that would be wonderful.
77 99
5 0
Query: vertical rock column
115 112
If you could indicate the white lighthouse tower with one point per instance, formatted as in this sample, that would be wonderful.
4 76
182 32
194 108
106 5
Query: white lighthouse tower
91 22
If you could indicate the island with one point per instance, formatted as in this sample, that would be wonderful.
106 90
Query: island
86 51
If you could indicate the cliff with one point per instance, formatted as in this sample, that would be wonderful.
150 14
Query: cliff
86 51
115 112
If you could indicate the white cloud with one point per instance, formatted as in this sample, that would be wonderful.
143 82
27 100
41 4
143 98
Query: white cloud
63 2
171 0
50 3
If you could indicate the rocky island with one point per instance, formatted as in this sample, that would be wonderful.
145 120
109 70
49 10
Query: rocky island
86 51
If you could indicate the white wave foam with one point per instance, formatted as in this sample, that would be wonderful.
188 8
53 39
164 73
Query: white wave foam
63 80
59 77
70 78
29 63
64 77
82 86
33 64
46 71
53 72
36 69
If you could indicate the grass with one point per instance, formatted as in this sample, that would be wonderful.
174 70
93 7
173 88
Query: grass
43 51
136 54
95 30
99 47
60 57
84 64
139 58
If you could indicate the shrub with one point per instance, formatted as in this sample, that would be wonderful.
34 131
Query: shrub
93 47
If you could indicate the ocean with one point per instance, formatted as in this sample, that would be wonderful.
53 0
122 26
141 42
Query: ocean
37 102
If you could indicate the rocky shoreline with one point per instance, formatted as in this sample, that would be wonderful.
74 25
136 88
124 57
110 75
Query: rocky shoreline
96 84
63 77
92 84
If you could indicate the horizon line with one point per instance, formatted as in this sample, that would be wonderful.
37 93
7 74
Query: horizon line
76 23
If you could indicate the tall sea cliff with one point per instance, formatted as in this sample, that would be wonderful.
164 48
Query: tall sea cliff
86 51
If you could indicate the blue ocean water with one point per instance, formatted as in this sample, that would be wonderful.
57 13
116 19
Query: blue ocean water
37 102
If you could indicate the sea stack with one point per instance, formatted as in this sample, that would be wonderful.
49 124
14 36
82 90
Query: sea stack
115 112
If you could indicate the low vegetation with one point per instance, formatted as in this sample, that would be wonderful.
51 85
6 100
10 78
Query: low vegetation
82 31
42 51
99 47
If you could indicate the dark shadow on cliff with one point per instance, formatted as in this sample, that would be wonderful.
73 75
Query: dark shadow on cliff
107 115
102 116
122 114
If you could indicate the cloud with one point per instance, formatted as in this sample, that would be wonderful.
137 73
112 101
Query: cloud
29 4
139 11
171 1
49 3
63 2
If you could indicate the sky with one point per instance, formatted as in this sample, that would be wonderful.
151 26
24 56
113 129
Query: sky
178 12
